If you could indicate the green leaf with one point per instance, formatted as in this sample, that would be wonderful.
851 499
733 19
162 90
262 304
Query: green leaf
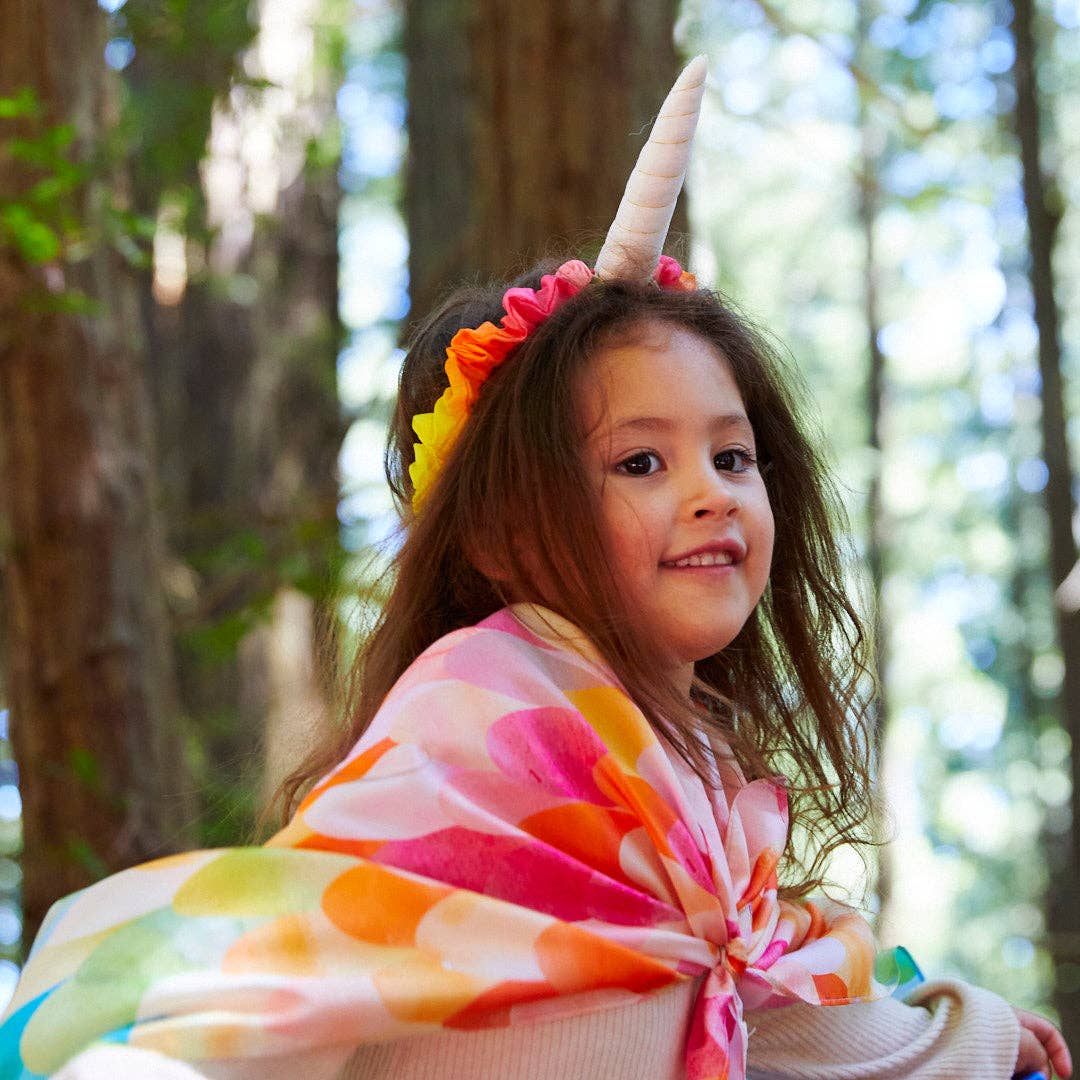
47 151
28 150
59 137
36 241
80 852
69 302
86 768
23 103
50 189
217 642
245 548
130 251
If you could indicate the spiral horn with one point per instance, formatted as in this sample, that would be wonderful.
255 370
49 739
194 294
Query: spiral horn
635 240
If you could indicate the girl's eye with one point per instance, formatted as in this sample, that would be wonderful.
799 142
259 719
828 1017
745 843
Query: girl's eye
734 460
643 463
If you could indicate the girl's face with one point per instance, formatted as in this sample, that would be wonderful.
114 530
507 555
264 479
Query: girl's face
683 507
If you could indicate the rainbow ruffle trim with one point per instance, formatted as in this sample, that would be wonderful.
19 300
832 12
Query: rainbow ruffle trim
474 353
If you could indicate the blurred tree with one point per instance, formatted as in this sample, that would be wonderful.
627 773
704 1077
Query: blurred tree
1042 204
88 666
788 74
236 143
871 144
524 122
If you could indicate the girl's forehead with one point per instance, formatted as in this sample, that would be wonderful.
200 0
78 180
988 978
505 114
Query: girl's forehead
646 333
657 370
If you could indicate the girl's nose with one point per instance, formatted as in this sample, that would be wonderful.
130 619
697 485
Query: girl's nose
714 497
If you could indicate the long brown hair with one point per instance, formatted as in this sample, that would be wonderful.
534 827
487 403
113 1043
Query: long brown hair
788 695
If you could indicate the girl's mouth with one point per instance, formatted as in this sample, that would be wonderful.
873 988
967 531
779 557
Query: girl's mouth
709 558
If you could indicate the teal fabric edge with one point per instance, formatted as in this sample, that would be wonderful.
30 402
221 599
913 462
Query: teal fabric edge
897 968
11 1032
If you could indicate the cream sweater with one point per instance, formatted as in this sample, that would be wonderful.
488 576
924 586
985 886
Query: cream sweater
948 1030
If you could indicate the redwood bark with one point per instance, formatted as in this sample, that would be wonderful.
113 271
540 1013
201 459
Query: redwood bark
524 123
87 657
1062 908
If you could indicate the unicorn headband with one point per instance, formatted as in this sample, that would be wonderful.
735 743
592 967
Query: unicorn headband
631 251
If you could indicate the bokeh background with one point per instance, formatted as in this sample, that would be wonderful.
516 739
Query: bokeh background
217 218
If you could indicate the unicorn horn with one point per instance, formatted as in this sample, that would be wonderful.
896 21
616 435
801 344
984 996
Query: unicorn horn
636 237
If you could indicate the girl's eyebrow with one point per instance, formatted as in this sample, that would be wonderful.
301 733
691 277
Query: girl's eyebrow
726 421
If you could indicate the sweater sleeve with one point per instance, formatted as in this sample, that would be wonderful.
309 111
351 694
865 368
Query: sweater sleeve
946 1029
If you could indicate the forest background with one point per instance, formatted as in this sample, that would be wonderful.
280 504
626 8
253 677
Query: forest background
216 217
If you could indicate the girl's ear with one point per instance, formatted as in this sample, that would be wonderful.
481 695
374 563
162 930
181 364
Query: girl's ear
487 563
486 551
497 565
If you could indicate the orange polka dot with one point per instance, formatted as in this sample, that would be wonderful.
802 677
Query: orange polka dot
379 906
817 927
358 767
573 960
832 990
617 721
284 946
420 991
639 798
763 876
294 835
588 833
492 1008
364 849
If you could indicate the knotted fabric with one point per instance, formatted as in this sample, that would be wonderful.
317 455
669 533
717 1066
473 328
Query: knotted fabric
510 842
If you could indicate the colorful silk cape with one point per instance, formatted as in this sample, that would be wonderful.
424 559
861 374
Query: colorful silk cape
510 842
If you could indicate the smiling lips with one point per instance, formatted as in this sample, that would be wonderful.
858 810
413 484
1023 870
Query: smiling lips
722 554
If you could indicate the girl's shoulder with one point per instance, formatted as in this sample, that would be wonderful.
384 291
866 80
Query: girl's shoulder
522 675
519 651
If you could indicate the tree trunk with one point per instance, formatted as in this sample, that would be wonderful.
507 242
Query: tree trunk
876 525
1063 911
246 337
87 655
524 123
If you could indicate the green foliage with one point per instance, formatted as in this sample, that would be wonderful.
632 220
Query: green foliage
228 784
248 567
35 241
186 54
47 221
215 641
80 852
86 768
24 102
332 46
243 549
130 234
972 677
41 220
66 302
232 806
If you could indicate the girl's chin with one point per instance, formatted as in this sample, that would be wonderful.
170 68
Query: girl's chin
693 652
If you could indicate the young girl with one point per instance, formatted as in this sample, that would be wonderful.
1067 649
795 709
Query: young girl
552 843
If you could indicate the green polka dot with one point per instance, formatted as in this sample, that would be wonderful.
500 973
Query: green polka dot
259 882
104 992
